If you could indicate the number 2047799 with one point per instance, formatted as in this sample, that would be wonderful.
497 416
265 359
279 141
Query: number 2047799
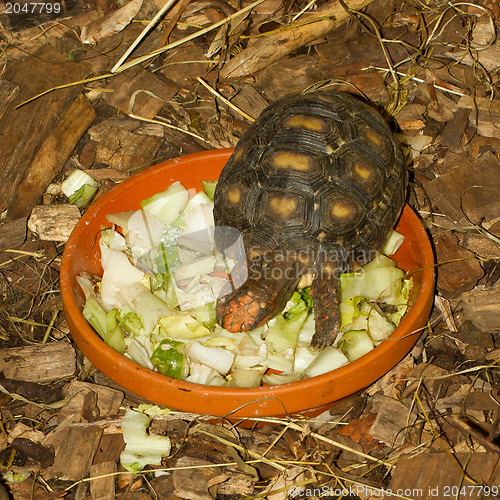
32 8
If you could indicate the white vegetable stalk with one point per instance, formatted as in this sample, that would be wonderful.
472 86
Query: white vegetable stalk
141 449
79 187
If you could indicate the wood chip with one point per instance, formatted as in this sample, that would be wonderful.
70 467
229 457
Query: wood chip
468 186
8 91
110 24
102 485
392 420
39 363
192 476
127 151
428 476
52 155
108 400
13 233
454 129
410 117
249 100
273 47
54 222
150 91
24 130
74 451
458 270
482 307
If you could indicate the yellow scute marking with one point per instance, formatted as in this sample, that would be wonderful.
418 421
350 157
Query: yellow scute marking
312 123
283 206
374 138
234 195
239 153
341 210
292 161
363 171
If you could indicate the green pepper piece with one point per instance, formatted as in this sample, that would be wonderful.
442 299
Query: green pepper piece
169 359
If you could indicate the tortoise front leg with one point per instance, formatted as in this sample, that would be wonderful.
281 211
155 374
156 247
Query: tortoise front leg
325 293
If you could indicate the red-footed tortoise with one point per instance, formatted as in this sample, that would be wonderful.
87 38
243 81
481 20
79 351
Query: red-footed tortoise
314 185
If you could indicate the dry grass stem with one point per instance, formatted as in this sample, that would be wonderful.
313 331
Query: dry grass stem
224 100
143 34
188 38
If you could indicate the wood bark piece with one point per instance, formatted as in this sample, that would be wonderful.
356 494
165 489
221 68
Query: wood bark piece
74 451
484 114
39 363
13 233
127 151
192 477
249 100
8 92
392 421
51 157
103 488
273 47
24 130
53 222
125 85
111 23
454 129
482 307
468 186
429 476
458 269
108 400
410 117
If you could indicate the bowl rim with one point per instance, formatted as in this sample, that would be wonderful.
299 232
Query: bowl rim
87 338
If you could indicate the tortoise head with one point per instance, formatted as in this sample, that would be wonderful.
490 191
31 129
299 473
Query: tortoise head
261 297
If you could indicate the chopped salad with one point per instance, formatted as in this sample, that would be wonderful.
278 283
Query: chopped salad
155 302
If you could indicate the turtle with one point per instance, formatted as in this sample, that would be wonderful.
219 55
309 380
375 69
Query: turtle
313 186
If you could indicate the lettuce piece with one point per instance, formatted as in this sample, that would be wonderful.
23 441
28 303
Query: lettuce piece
355 343
148 306
217 358
350 310
393 242
379 283
141 448
204 375
379 326
280 378
130 321
209 188
105 324
246 377
183 326
330 358
284 334
79 187
118 273
167 205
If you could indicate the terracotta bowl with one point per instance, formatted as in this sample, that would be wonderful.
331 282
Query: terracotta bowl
309 396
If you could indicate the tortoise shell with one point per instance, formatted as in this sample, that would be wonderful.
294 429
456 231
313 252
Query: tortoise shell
319 176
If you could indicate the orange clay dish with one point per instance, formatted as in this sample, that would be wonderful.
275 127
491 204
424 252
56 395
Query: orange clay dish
295 394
